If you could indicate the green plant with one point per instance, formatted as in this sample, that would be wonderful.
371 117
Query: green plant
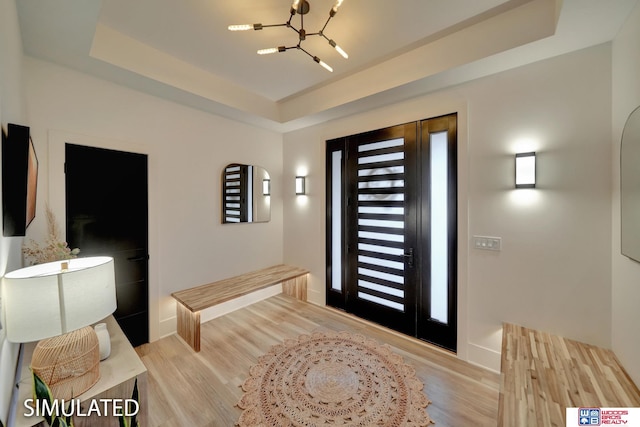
133 420
42 392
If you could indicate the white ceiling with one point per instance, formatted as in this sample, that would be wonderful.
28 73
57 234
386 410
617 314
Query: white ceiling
181 49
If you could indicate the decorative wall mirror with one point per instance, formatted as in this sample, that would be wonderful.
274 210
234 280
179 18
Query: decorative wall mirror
630 187
246 194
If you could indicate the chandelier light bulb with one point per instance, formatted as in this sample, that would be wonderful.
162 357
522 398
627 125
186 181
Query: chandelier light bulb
294 6
324 64
243 27
344 54
267 51
339 49
337 5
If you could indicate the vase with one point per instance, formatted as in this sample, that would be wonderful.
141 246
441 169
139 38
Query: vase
104 341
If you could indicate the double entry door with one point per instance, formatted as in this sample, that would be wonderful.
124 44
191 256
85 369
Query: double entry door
391 227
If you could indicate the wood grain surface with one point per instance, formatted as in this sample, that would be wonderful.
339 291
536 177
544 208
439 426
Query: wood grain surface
543 374
205 296
201 389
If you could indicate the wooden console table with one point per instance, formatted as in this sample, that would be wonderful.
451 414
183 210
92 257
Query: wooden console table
192 300
118 374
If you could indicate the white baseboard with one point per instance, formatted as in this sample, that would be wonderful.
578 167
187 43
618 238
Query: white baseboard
238 303
170 326
484 357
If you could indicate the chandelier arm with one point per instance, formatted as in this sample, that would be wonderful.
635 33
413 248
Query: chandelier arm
274 25
294 28
316 59
305 51
300 9
325 24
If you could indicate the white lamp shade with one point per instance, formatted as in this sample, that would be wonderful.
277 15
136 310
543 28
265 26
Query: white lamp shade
43 301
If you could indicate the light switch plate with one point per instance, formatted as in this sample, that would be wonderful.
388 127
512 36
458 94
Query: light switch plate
487 243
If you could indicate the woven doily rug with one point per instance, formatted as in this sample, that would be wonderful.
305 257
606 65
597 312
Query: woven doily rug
332 378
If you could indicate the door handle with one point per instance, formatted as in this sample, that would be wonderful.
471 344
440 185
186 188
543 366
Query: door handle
409 257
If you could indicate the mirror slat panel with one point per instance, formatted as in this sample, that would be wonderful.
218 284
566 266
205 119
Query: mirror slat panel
243 199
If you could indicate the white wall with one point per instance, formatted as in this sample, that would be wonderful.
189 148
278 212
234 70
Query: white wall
554 271
626 273
187 149
11 111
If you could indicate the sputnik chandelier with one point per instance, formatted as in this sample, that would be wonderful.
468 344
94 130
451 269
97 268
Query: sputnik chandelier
301 7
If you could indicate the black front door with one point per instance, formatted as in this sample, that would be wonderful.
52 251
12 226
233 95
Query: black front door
392 227
107 214
381 226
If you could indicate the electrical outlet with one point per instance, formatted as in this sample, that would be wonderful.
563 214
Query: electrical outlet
487 243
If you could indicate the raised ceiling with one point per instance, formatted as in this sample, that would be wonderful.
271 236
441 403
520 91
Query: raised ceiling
181 49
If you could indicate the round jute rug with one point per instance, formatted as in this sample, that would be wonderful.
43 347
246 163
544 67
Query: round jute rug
332 378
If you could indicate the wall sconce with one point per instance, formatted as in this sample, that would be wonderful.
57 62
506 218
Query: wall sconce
300 185
266 187
526 170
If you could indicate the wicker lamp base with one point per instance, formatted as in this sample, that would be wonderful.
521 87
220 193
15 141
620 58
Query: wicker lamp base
69 364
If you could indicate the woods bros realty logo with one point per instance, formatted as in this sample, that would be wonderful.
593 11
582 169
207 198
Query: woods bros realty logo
603 417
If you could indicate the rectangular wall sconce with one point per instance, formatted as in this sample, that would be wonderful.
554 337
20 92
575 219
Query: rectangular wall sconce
266 187
526 170
300 185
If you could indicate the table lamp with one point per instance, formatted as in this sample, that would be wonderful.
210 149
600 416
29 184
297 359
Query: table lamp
55 303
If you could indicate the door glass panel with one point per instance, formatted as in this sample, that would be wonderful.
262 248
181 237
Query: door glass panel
381 158
381 262
381 301
381 249
380 275
381 223
381 288
375 197
336 220
398 142
439 227
381 210
380 236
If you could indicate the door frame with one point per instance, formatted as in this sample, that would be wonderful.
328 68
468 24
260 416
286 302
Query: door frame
417 111
57 202
425 325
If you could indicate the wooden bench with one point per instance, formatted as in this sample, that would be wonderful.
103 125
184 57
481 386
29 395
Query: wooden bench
191 301
543 374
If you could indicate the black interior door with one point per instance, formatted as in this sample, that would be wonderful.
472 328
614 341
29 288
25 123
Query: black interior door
107 214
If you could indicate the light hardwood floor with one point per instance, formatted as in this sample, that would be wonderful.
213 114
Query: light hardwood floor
201 389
